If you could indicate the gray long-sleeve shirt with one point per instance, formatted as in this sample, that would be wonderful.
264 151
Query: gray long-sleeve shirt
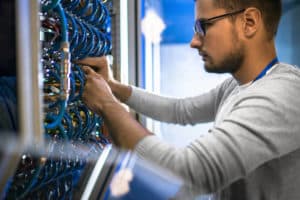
253 150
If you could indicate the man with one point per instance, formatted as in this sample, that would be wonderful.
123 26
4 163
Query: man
253 150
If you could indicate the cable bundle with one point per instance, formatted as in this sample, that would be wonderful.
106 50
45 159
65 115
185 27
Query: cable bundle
88 26
52 176
85 24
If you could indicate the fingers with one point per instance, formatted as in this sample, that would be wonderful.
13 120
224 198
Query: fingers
96 63
87 70
96 91
92 61
90 73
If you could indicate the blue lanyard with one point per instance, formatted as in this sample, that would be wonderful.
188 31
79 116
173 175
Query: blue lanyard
269 66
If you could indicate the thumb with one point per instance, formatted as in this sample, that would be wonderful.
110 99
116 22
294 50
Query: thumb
87 70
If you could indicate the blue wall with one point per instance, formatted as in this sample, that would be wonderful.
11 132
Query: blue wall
179 18
288 40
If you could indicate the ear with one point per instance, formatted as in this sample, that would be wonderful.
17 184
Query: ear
252 21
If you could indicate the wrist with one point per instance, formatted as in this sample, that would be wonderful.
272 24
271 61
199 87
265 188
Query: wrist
121 91
112 84
106 106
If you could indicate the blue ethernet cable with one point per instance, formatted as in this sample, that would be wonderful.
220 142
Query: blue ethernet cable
50 6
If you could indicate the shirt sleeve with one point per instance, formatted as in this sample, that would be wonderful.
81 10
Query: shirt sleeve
191 110
259 128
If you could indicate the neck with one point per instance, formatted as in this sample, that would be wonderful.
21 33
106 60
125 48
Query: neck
254 63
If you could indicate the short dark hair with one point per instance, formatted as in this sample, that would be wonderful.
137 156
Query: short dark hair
271 11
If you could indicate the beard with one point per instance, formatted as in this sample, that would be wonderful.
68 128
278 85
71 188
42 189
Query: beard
230 62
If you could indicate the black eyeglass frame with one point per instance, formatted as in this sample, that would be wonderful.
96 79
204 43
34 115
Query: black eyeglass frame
200 24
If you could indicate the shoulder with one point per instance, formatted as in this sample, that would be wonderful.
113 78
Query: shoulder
229 84
226 87
286 72
280 87
282 77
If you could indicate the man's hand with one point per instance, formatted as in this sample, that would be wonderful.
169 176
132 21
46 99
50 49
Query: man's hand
100 65
124 130
96 92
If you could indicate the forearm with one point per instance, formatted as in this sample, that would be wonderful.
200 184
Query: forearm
121 91
182 111
124 130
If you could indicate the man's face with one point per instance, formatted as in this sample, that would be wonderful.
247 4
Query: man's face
221 49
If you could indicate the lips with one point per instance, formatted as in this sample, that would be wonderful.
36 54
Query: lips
203 55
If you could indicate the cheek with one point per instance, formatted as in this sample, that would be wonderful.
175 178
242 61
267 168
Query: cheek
220 39
219 44
216 47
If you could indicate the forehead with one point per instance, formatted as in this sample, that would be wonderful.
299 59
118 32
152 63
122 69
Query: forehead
206 9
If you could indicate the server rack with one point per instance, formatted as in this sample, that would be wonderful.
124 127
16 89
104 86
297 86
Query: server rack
58 146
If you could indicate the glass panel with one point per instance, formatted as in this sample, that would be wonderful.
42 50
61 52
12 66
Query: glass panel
288 41
172 68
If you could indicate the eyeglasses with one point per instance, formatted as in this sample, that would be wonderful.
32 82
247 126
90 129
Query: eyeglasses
202 24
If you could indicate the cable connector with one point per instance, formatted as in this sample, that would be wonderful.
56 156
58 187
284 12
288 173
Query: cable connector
65 72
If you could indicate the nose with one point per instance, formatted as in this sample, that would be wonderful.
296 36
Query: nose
196 42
